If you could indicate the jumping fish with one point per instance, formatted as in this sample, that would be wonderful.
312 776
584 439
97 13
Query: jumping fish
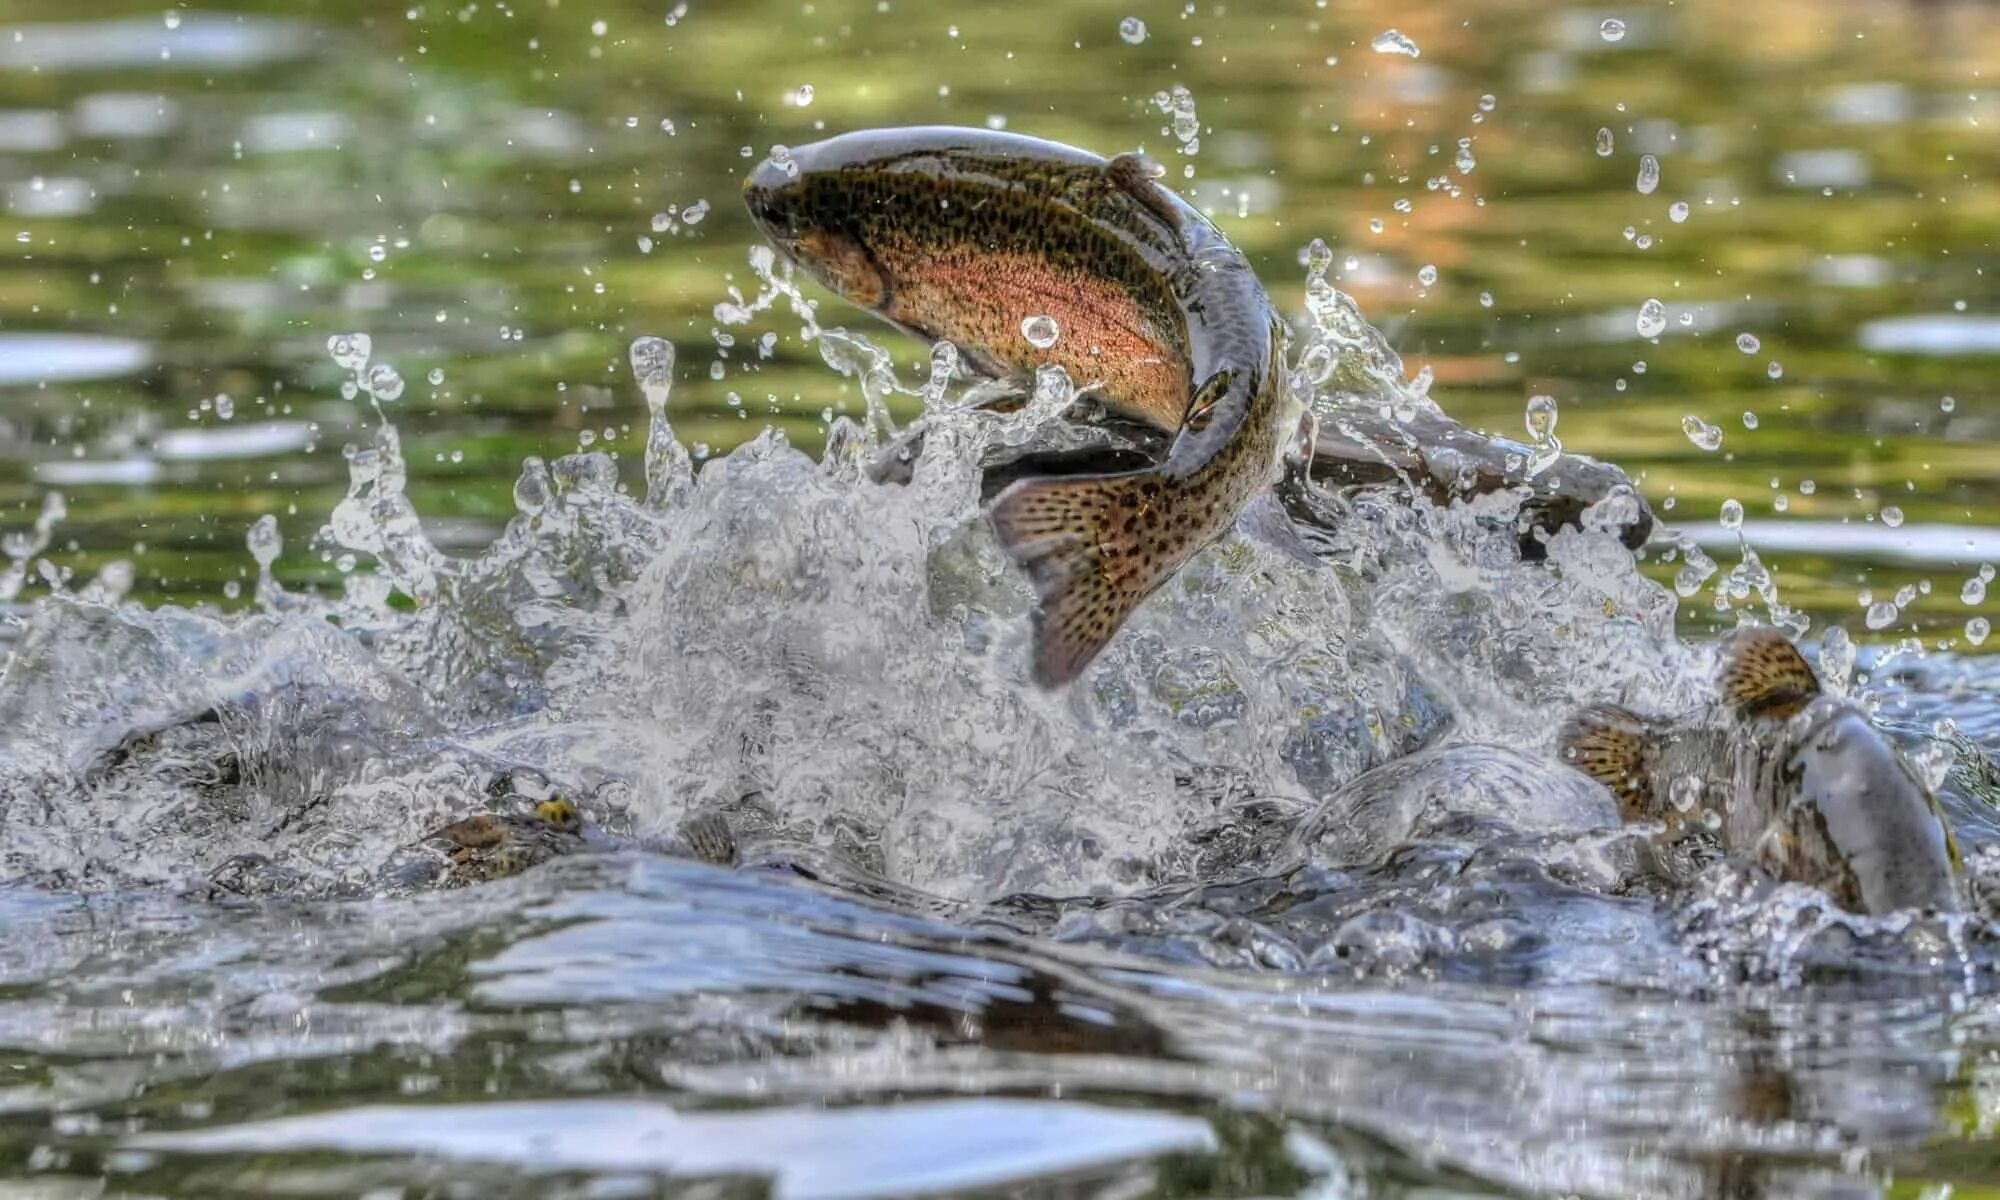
1802 781
981 238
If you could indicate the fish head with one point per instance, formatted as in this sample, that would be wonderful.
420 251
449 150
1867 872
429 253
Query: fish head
803 212
1857 811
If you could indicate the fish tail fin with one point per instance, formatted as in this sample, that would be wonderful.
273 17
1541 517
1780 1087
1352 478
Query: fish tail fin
1613 746
1764 675
1094 546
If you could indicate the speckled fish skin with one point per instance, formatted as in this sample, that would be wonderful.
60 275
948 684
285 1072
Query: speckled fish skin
962 234
1803 781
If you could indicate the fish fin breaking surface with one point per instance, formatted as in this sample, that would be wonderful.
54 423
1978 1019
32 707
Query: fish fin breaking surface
1095 546
1613 746
1764 675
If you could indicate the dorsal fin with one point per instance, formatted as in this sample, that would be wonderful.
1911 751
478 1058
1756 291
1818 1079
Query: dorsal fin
1613 746
1135 174
1764 675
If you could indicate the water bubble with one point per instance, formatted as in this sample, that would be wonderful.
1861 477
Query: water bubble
1701 433
1391 41
1488 102
1749 420
693 213
350 350
1041 331
1974 591
1133 30
800 96
1606 143
1977 630
1748 343
1775 369
1652 321
1732 514
435 376
1892 516
1881 615
384 383
1486 299
1464 160
1807 487
378 253
1427 274
1649 174
1613 30
1677 212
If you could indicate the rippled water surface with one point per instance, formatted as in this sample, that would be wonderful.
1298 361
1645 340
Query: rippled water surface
348 490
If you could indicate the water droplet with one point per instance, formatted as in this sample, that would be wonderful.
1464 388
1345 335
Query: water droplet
378 253
1974 591
435 376
1677 212
1652 320
1541 417
1701 433
1775 369
801 96
1977 630
1391 41
1881 615
1133 30
1749 420
1807 487
667 126
384 383
1613 30
1684 792
1427 274
693 213
1464 160
1732 514
1041 331
1488 102
350 350
1892 516
1486 299
1606 143
1748 343
1649 174
265 541
225 407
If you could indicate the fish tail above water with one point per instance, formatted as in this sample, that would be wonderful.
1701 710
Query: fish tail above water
1613 746
1764 675
1095 546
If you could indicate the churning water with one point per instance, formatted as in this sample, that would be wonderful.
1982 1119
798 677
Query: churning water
1163 933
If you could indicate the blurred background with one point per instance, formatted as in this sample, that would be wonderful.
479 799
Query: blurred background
503 195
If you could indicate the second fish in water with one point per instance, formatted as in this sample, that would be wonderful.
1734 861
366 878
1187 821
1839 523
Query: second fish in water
969 236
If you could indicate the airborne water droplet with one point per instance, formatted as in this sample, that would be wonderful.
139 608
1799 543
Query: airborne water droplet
1391 41
1892 516
1652 320
1041 331
1977 630
1732 514
1748 343
1677 212
1613 30
1133 30
1606 143
1649 174
1701 433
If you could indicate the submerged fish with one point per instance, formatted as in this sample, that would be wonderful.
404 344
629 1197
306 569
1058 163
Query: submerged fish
983 239
1801 781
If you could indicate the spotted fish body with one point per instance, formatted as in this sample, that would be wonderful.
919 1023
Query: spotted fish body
962 235
1802 781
